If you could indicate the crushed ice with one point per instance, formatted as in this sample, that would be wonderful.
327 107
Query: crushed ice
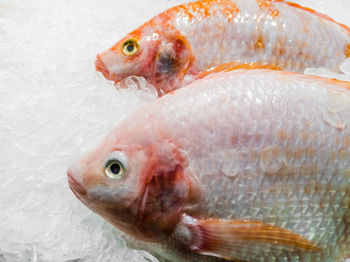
139 86
54 108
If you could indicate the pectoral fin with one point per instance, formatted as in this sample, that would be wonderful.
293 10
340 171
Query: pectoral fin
236 65
227 238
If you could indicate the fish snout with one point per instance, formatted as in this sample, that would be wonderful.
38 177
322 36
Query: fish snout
75 186
101 67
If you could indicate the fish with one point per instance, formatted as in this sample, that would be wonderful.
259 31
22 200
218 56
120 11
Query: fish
171 49
241 165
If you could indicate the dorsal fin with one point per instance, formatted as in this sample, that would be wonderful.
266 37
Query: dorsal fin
234 66
312 11
256 66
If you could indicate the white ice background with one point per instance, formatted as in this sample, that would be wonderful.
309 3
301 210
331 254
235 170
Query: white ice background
54 108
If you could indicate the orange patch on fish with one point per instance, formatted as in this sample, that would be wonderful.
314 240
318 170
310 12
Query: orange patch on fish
259 43
282 134
199 8
230 10
204 9
264 5
347 51
281 51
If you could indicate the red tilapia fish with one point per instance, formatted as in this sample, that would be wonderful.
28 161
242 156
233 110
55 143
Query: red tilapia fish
173 47
245 165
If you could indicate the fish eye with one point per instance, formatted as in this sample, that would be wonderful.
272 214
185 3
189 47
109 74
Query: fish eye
130 47
114 169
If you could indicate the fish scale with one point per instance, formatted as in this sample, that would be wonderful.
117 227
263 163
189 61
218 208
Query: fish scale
248 36
245 146
244 209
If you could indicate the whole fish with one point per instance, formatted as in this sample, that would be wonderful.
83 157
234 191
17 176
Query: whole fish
244 165
174 46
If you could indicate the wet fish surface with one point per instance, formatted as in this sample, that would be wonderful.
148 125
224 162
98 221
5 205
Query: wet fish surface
174 46
245 165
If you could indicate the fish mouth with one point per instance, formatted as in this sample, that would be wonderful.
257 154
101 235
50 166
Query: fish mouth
101 67
75 186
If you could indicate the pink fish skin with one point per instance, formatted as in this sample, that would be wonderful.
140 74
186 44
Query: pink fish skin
174 46
244 165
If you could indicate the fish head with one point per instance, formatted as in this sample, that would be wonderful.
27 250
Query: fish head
138 187
104 182
161 59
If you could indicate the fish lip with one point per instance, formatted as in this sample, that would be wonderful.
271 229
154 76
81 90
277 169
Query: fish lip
77 196
75 186
101 67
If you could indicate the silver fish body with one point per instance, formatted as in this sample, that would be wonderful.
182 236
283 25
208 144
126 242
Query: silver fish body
247 145
185 40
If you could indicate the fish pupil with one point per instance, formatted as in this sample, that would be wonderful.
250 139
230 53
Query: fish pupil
115 168
130 47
